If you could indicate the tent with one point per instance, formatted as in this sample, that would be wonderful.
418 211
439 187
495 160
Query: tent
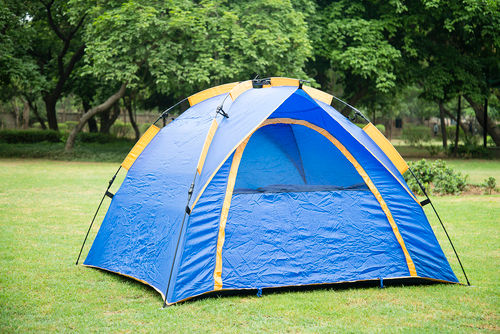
263 184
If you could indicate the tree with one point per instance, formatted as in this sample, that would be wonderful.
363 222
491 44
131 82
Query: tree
456 43
357 48
181 47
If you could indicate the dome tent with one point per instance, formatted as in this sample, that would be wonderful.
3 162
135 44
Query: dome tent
286 192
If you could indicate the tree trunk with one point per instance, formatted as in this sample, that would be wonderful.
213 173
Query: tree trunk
457 136
443 124
39 118
453 117
128 105
50 107
493 130
91 122
91 113
108 118
26 115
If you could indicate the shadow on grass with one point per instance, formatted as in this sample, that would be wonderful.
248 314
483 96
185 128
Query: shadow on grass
364 284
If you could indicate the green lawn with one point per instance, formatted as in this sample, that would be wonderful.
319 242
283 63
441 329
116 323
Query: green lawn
45 208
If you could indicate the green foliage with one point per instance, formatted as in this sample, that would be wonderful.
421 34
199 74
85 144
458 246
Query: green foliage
451 133
29 136
436 177
380 127
184 46
122 130
469 150
433 150
356 39
96 137
489 185
416 135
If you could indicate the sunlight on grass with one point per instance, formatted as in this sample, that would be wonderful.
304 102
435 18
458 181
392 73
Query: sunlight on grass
45 209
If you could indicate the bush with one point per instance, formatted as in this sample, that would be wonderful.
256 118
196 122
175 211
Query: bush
451 132
489 185
381 128
436 177
95 137
29 136
416 135
70 125
469 150
433 150
120 129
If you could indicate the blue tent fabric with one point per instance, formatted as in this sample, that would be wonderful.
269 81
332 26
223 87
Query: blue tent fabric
299 212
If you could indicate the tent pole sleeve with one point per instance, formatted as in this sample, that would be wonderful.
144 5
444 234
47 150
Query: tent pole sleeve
190 193
96 212
442 224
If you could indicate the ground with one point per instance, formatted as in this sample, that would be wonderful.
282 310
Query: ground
45 208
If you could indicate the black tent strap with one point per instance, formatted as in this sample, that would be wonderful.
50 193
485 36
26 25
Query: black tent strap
221 111
109 194
425 202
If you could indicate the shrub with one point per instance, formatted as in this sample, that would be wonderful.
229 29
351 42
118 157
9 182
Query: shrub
489 185
70 125
433 150
451 132
29 136
416 135
381 128
120 129
95 137
469 150
436 177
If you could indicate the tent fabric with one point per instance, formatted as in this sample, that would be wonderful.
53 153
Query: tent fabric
290 193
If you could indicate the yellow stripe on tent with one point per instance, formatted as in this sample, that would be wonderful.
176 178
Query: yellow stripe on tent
232 179
279 81
224 213
211 92
140 146
386 146
318 94
240 89
206 145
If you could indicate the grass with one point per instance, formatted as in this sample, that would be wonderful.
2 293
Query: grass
45 208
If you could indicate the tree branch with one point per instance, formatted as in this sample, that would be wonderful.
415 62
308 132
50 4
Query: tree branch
92 112
52 24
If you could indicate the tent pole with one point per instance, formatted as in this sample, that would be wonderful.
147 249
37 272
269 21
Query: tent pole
442 225
96 212
164 113
355 110
190 193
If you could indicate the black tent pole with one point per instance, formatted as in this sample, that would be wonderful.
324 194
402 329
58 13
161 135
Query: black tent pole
442 225
186 212
96 212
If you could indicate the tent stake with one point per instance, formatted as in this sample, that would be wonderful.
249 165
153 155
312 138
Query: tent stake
96 212
442 225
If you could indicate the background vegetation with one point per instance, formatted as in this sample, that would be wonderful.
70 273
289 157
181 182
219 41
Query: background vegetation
392 59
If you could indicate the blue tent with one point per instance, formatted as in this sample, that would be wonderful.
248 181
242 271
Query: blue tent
286 192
